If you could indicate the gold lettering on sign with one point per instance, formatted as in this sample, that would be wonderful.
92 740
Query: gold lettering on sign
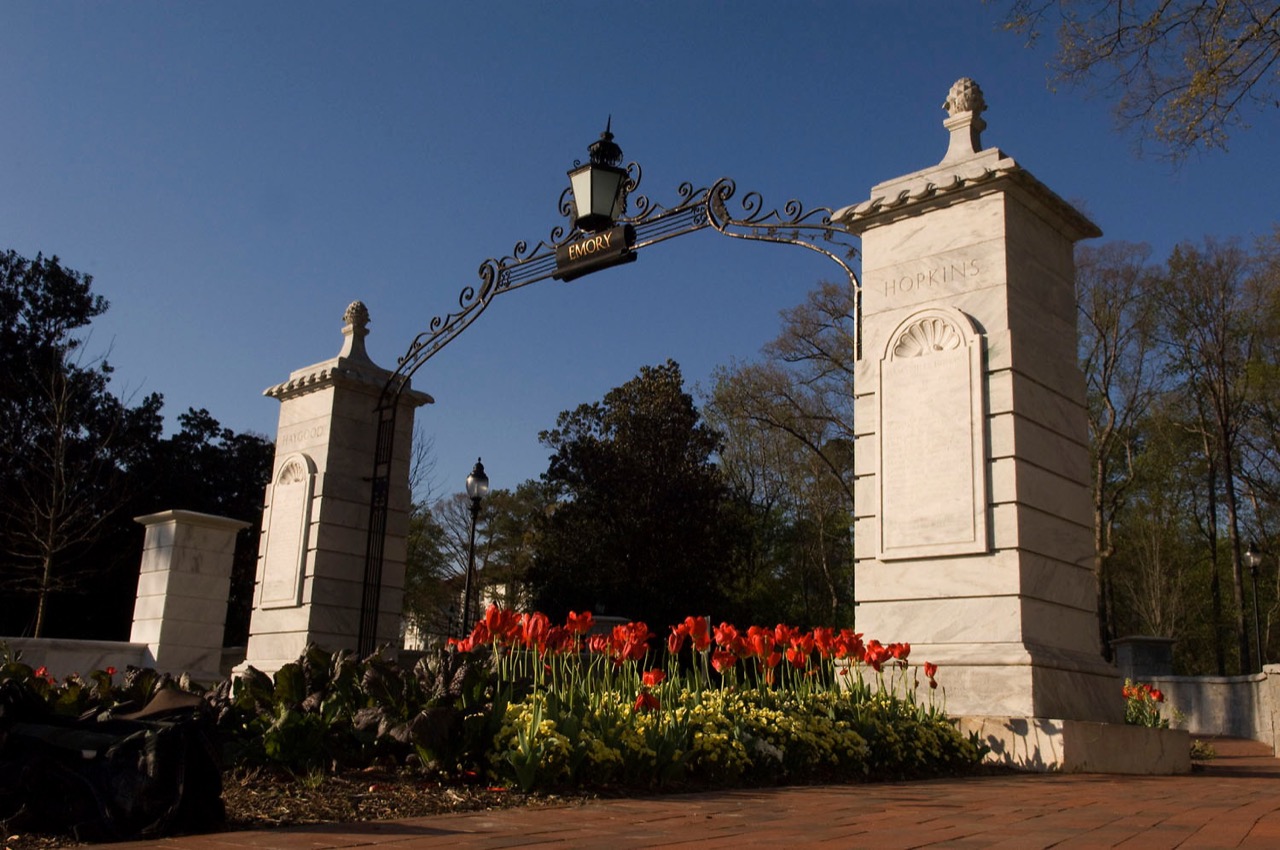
587 247
946 273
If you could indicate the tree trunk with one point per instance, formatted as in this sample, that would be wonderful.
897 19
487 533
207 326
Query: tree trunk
1237 569
1215 585
42 595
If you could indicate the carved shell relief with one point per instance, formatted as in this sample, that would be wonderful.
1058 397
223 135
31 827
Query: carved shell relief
927 336
294 471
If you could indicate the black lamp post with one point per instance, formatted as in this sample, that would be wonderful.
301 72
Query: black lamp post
1253 557
597 186
477 489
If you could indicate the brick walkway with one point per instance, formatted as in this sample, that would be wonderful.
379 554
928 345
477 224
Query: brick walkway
1233 802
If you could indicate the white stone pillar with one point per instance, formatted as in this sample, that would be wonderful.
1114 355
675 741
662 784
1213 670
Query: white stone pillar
973 531
181 607
316 517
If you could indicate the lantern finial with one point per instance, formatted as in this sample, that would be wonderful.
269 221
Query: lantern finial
604 151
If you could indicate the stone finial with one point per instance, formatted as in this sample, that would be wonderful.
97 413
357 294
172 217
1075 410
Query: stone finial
356 314
354 332
965 96
965 105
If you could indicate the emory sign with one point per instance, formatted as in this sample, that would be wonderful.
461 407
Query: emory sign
594 252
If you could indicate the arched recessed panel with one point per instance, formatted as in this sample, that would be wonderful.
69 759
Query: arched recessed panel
932 459
284 557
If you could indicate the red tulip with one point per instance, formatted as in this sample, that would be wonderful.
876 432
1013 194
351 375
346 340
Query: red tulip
759 642
535 629
646 701
723 660
825 641
699 631
728 638
653 678
876 654
559 639
579 624
503 624
675 640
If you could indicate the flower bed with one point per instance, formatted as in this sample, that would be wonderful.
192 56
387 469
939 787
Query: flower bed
524 703
720 706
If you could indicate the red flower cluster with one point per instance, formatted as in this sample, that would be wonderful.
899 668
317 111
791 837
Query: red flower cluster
502 627
1142 691
725 644
627 642
695 629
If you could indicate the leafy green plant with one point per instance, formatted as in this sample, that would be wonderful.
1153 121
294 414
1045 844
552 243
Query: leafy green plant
1202 750
1142 704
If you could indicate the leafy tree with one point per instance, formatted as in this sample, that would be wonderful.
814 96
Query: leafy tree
1117 297
430 603
1209 314
794 482
67 444
788 455
1186 72
439 548
640 527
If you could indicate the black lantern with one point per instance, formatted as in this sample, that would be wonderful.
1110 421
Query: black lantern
597 186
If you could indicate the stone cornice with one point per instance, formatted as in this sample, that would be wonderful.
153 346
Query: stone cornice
942 185
342 371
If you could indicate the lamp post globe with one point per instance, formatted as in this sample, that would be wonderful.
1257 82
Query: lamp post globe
597 185
477 485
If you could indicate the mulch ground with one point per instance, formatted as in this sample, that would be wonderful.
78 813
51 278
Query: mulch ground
257 799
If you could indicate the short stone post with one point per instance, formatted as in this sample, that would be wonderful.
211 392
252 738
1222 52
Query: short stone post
181 607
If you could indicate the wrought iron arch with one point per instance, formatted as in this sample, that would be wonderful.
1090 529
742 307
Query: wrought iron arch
708 207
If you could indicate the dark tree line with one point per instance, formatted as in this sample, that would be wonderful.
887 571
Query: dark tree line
78 463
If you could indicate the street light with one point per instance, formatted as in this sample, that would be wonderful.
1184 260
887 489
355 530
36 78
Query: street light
597 186
1253 557
477 489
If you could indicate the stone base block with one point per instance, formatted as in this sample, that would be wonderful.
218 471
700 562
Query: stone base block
1078 746
1021 680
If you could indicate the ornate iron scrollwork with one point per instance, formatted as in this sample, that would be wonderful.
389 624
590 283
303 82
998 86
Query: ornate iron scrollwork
697 209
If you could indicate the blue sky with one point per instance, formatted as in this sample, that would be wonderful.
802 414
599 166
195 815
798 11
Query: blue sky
233 174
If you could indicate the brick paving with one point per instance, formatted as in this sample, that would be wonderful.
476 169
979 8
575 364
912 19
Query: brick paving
1232 801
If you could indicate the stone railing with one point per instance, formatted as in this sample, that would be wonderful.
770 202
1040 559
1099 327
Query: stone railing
1237 706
